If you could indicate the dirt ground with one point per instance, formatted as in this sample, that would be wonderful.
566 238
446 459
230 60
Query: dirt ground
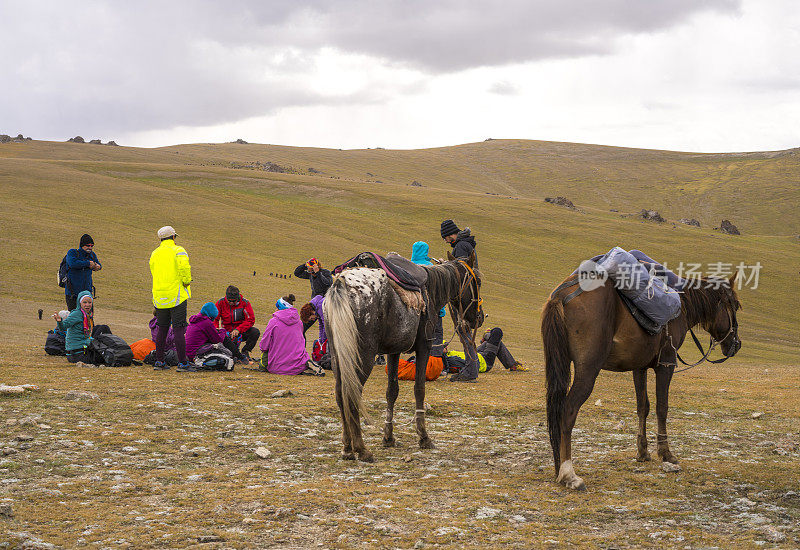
132 458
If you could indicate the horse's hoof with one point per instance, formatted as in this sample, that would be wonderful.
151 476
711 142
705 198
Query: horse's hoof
389 442
643 457
567 477
366 456
668 457
348 456
577 485
426 444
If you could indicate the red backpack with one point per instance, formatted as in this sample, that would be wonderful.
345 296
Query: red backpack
320 349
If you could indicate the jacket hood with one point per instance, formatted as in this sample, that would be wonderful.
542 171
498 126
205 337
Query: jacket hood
287 316
197 317
83 293
464 235
419 253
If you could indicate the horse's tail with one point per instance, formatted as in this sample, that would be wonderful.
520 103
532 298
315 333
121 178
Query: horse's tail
557 370
340 324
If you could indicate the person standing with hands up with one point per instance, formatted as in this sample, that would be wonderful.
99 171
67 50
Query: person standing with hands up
321 279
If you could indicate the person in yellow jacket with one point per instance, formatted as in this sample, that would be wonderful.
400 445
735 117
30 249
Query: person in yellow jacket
172 275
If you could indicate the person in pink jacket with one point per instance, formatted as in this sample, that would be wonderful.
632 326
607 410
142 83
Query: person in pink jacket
283 345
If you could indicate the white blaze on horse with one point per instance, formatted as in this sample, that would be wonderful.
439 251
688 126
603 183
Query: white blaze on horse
367 314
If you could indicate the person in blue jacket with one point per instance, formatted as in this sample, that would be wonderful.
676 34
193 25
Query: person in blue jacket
81 263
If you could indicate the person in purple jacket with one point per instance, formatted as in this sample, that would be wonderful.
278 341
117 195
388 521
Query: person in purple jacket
283 345
202 335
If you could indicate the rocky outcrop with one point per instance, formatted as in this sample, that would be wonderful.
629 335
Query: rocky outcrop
96 142
560 201
76 139
727 227
690 221
651 215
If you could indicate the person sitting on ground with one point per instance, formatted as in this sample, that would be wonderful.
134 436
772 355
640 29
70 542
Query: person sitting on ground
80 328
309 314
237 318
202 336
283 346
81 263
321 279
492 347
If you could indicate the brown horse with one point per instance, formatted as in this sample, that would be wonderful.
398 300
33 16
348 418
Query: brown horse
595 331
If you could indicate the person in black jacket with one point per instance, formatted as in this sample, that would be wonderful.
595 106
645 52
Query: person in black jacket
463 242
321 279
81 263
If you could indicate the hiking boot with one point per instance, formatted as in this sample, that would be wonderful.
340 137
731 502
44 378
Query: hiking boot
462 378
246 358
186 367
160 365
519 367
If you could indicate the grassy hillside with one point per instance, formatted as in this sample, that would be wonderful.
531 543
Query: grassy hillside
167 459
237 221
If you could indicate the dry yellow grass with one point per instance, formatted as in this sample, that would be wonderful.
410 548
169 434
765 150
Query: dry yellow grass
121 471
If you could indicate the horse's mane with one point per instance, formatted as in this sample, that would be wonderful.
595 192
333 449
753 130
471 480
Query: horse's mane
700 301
443 282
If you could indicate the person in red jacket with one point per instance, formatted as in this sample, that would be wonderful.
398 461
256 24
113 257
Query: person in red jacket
237 318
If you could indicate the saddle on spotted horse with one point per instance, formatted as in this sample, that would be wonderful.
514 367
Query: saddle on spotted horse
407 278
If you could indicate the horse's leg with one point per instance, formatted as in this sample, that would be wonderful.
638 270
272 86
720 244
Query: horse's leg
582 386
663 378
392 389
422 350
642 410
364 455
347 444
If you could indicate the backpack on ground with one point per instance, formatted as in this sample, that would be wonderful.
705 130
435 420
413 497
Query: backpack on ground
319 350
56 341
141 348
113 349
214 360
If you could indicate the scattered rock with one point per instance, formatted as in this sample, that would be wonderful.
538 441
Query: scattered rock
669 467
5 451
11 390
484 512
651 215
197 451
690 221
96 142
598 403
76 139
407 458
263 452
313 171
4 138
203 539
112 143
80 395
282 393
130 449
560 201
773 535
6 510
728 228
613 210
415 183
23 437
757 415
240 141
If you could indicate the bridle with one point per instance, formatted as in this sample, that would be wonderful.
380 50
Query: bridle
713 343
476 300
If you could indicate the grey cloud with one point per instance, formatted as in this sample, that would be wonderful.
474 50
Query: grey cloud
100 68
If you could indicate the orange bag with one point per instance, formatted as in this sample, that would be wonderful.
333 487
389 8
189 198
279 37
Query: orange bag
407 369
141 348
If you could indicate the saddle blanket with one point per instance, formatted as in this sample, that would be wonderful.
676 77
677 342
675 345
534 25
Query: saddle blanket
403 272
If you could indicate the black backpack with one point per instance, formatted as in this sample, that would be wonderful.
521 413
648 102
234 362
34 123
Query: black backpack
113 349
55 343
63 270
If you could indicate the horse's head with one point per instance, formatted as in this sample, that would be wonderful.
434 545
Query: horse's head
724 327
468 303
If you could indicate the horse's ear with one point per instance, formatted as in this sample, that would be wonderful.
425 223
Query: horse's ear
732 279
471 259
450 257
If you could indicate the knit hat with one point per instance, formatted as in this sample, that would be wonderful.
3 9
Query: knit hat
449 227
313 261
210 310
166 232
86 239
232 293
282 304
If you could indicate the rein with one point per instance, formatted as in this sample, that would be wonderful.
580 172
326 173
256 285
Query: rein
469 276
711 345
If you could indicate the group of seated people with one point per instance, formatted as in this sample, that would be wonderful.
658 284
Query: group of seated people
223 334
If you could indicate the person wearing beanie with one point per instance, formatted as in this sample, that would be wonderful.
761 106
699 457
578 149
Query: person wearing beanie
81 263
463 245
321 279
201 334
283 346
237 318
172 277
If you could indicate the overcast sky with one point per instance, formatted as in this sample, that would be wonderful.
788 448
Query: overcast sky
690 75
